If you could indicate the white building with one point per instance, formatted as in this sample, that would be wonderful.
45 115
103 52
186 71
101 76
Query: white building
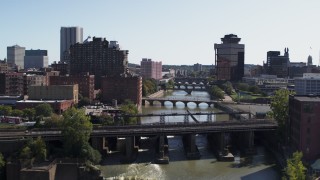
308 84
68 37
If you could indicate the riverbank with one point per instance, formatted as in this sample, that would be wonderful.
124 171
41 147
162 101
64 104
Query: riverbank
156 94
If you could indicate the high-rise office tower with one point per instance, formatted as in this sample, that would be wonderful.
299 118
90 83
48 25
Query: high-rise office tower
36 59
15 56
99 58
68 37
229 58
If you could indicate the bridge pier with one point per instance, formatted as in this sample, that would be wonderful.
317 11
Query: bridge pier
162 150
174 103
151 103
190 147
162 103
189 91
128 146
143 102
220 143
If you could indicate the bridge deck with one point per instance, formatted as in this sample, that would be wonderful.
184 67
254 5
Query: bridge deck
153 129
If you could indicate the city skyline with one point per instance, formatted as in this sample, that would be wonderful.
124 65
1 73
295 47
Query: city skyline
179 32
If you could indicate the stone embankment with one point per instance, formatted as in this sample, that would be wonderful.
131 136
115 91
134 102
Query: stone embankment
156 94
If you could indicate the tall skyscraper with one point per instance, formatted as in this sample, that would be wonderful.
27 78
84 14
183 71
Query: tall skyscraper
68 37
151 69
229 58
36 59
15 55
99 58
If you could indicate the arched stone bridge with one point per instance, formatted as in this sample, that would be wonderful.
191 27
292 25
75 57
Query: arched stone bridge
175 100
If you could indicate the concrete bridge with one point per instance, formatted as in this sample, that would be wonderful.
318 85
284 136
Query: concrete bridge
219 133
197 101
191 80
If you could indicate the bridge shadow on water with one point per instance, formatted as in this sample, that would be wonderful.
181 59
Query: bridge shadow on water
264 174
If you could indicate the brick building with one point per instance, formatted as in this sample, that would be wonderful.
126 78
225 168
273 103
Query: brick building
99 57
58 106
304 125
85 82
11 83
121 89
62 67
54 92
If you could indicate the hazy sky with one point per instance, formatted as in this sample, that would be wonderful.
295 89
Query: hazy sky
171 31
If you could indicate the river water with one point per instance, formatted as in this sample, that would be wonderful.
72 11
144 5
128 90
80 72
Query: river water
259 166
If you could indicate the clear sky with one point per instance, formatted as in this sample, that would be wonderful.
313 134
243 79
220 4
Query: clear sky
171 31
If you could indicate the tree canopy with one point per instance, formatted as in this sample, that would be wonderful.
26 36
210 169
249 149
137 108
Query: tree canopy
43 110
131 109
34 149
76 129
149 86
5 110
29 113
280 109
295 170
216 92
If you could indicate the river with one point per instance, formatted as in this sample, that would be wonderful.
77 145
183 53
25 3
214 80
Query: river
259 166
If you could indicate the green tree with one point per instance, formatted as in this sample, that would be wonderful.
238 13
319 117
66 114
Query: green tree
2 165
5 110
254 89
280 109
76 129
216 92
170 83
17 112
243 86
38 149
44 110
84 102
29 113
129 108
227 86
149 86
34 150
295 170
105 119
54 121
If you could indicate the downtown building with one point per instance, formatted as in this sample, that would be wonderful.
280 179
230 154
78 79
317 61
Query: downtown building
122 89
308 84
197 67
11 83
85 83
36 59
229 58
99 57
276 64
15 56
69 36
151 69
303 125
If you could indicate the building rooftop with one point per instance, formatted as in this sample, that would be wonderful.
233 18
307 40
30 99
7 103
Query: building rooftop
41 101
309 98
